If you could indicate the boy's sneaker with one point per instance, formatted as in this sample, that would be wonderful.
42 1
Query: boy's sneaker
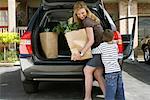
100 96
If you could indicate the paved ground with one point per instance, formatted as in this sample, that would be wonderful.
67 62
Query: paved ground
137 81
135 75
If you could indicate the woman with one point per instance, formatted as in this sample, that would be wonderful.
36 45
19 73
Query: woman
91 23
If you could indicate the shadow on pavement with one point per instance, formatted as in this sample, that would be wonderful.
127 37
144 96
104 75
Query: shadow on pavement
11 89
138 70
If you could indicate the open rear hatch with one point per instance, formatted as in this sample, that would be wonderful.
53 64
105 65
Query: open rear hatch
128 38
50 18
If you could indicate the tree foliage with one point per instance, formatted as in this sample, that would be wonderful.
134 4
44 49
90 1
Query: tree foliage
9 37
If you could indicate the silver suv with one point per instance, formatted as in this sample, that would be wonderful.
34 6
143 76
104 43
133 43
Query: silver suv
35 66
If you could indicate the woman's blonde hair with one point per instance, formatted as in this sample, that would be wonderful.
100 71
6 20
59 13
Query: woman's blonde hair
79 5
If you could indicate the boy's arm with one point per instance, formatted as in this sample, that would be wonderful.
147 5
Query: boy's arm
98 49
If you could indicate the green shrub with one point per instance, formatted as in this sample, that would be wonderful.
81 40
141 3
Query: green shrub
10 57
9 37
5 39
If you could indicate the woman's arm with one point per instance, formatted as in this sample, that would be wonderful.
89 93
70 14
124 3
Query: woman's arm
90 35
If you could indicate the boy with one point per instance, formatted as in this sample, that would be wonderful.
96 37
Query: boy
113 76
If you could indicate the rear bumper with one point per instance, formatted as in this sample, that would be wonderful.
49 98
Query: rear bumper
57 76
51 72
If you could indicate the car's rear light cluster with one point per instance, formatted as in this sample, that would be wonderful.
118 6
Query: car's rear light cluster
25 45
118 38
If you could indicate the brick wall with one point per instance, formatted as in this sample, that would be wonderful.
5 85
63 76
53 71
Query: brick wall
144 9
112 9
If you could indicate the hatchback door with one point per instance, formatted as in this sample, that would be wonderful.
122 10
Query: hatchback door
54 12
128 38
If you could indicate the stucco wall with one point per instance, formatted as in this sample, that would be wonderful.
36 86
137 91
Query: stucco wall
143 9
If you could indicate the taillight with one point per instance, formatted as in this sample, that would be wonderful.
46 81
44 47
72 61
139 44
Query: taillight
118 38
25 44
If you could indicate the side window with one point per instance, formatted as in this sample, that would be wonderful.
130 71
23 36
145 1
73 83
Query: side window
110 21
106 20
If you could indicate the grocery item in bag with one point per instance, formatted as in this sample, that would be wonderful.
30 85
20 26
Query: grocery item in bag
76 40
49 42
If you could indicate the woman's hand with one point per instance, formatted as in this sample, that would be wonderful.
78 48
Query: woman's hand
75 56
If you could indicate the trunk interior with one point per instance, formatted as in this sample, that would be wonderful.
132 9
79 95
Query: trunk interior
51 19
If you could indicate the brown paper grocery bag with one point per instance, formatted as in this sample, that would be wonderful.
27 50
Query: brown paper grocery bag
49 42
76 41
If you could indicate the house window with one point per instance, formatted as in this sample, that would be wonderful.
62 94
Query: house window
144 28
3 18
31 12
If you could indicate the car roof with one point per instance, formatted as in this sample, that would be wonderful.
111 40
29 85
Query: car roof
65 2
52 1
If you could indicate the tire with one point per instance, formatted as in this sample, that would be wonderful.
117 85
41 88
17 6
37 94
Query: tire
30 86
146 51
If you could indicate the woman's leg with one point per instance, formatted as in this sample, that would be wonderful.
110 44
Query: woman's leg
98 74
88 73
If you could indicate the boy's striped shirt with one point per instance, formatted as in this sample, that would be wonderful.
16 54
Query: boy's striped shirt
109 54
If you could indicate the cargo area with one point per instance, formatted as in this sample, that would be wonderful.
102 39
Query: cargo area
50 20
61 44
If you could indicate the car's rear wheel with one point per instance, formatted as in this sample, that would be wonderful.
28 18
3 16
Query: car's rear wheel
146 51
30 86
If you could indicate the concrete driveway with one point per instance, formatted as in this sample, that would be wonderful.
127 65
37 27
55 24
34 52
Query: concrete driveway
135 75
